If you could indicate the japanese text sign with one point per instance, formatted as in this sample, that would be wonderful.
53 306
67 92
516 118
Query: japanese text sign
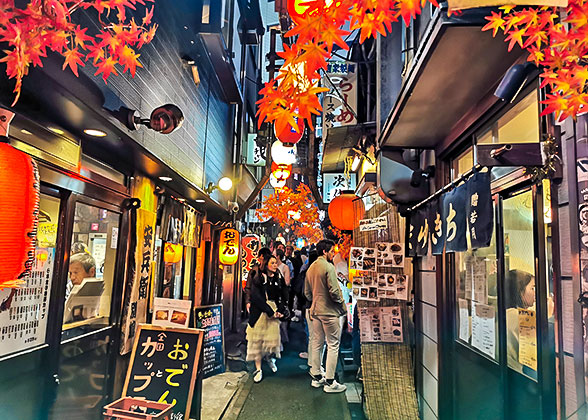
210 319
250 245
334 184
341 79
228 250
480 210
163 367
454 212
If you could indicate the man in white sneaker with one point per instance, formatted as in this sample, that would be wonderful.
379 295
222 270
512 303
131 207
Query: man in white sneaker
328 306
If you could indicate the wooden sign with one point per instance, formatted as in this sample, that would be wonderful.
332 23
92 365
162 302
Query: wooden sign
470 4
210 319
163 367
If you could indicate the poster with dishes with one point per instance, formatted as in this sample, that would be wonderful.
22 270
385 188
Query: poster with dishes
171 312
392 286
380 324
390 254
365 285
362 259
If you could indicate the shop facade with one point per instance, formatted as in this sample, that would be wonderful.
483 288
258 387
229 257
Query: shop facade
498 326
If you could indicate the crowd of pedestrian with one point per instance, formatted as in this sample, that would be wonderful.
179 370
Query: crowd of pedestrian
289 285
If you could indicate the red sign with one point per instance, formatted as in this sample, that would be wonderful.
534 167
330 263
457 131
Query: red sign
95 227
250 246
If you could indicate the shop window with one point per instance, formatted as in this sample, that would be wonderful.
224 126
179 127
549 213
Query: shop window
92 263
519 282
173 256
24 311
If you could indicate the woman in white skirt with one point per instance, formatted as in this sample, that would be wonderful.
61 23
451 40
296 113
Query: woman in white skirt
269 303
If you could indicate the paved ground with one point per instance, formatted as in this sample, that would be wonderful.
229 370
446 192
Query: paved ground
287 395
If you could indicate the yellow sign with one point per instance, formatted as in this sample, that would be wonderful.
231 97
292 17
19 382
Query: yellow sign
470 4
228 251
46 235
528 338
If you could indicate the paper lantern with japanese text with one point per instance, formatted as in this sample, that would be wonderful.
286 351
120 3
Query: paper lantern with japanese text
283 155
346 210
228 250
172 253
19 215
281 172
250 245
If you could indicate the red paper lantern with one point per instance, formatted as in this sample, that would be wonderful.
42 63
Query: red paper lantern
19 214
228 250
297 10
346 210
281 172
289 136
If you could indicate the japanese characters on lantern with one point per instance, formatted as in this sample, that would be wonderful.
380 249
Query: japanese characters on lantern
228 251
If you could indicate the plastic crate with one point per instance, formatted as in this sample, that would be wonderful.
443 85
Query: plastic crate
121 410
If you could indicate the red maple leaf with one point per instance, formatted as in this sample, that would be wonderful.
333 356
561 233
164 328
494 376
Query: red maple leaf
72 60
106 67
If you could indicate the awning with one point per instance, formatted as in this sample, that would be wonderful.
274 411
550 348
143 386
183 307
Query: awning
456 66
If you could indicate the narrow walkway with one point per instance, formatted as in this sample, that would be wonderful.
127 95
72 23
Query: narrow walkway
287 394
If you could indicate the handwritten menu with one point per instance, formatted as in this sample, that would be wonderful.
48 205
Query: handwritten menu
380 324
528 338
23 311
484 328
163 367
210 319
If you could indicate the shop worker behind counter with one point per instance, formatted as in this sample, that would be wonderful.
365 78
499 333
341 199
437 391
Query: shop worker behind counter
327 307
82 289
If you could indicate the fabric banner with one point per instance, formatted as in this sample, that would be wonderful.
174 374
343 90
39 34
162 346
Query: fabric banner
192 227
480 210
437 226
137 286
470 4
454 213
172 221
414 224
423 232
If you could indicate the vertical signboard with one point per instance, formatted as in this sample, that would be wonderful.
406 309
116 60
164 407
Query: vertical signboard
341 79
333 184
210 319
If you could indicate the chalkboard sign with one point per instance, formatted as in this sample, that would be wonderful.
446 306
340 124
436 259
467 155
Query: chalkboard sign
210 319
164 365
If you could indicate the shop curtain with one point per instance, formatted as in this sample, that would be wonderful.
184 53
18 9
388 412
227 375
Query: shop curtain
454 213
437 226
480 210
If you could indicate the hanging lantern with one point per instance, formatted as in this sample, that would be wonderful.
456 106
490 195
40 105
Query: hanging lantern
281 172
289 135
228 250
297 9
346 210
283 155
172 253
19 214
276 183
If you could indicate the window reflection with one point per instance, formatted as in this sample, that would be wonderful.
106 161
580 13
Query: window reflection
91 269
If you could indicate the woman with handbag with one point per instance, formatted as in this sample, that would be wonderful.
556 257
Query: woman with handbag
269 304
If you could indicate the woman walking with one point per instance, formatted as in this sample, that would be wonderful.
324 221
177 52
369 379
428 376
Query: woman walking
269 303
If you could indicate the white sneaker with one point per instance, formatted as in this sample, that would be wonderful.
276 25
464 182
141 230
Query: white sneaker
303 355
272 364
334 387
258 376
317 383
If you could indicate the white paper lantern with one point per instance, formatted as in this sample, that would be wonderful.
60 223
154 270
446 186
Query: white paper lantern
274 182
283 155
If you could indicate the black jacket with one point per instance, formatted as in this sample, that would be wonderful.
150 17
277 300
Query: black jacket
274 288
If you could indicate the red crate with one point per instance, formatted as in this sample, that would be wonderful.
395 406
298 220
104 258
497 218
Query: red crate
121 410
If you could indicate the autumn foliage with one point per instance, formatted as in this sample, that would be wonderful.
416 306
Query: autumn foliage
559 44
344 241
46 25
295 209
294 91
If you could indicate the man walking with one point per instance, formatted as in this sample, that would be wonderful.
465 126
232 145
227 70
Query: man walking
326 310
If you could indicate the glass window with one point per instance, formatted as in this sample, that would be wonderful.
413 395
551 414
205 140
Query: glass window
92 263
171 286
519 282
23 311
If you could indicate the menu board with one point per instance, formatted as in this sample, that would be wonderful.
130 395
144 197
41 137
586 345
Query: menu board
484 328
365 285
393 286
380 324
23 311
362 258
390 254
163 367
171 312
527 338
210 319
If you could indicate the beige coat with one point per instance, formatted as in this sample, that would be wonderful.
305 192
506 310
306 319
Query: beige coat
322 289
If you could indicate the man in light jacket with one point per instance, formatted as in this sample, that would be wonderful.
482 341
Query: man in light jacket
328 305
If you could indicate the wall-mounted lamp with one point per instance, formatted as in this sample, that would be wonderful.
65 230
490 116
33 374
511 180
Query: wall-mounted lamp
224 184
513 81
355 163
189 62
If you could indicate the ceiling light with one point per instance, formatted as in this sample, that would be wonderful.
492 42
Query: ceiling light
95 133
165 178
200 200
181 200
27 132
56 130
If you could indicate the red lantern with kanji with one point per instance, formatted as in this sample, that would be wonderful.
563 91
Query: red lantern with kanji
250 245
228 250
172 253
346 210
288 135
19 214
281 172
